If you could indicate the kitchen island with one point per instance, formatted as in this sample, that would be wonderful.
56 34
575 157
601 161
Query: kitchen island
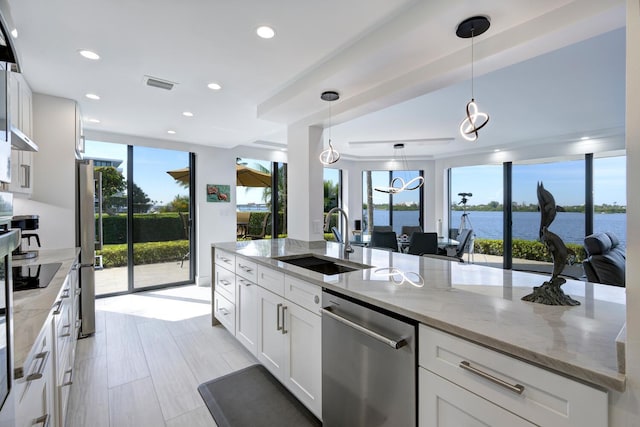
478 303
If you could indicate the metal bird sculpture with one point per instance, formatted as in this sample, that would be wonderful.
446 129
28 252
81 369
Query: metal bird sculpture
550 292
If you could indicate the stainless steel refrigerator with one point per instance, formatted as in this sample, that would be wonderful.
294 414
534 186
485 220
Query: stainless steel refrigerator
86 240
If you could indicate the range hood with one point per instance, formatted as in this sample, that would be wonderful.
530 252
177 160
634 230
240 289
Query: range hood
8 52
20 141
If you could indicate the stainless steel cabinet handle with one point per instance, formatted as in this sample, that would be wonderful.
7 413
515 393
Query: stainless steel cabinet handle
70 372
278 327
57 306
68 334
244 282
223 259
284 331
224 282
26 169
245 268
44 420
396 344
517 388
224 311
44 356
65 293
78 323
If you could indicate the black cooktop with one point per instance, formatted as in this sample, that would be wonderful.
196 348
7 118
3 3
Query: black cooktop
33 276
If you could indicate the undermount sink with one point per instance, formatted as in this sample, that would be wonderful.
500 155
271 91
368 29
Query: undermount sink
320 264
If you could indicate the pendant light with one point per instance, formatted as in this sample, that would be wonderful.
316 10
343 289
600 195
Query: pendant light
398 185
330 155
475 120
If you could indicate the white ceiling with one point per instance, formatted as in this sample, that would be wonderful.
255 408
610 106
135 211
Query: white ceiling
546 71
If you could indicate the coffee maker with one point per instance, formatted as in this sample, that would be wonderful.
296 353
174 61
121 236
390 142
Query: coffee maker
28 224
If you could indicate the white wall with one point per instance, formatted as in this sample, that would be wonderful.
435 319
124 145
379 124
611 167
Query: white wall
53 196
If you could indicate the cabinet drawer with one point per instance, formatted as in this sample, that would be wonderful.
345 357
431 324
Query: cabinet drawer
225 259
304 294
225 312
271 279
226 283
547 399
38 364
247 269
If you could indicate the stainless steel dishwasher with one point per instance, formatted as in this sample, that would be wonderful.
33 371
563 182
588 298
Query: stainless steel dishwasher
368 365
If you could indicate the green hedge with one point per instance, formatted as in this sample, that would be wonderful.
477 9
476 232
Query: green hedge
157 227
524 249
144 253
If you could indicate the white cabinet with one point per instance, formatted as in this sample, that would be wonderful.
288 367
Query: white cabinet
270 332
21 172
473 372
20 104
444 404
20 113
247 314
276 317
35 401
289 345
303 356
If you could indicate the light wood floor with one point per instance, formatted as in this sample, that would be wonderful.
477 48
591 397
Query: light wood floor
149 353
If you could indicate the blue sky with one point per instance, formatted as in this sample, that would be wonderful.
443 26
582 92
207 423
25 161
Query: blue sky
150 167
565 180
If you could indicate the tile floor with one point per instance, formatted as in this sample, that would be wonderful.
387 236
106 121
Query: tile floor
149 353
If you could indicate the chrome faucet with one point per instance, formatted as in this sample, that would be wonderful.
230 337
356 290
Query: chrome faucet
347 246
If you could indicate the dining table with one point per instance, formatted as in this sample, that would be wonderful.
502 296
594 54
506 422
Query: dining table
403 241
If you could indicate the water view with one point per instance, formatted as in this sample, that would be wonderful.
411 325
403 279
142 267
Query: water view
488 225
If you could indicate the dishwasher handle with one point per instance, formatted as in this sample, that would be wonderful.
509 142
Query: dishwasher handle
395 344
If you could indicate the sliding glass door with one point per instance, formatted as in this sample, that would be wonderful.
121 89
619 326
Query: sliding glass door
147 217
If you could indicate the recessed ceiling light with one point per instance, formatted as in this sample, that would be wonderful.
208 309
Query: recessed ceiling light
497 150
187 113
14 33
265 32
214 86
584 138
89 54
171 132
92 96
93 120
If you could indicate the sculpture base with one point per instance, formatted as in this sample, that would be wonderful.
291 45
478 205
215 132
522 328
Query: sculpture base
550 293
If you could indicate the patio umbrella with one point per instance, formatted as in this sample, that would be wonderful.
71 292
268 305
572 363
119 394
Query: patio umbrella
181 175
247 177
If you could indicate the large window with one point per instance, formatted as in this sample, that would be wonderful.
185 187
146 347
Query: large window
332 196
395 210
610 196
566 182
261 195
476 196
569 182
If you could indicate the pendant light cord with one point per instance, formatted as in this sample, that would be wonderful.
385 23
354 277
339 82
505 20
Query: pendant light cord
472 97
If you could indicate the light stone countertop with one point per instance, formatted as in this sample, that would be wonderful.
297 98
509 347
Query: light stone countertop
32 307
479 303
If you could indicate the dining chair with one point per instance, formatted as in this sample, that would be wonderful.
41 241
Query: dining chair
384 240
463 239
382 228
423 243
263 230
408 230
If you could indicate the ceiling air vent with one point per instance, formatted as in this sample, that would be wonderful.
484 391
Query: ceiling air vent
159 83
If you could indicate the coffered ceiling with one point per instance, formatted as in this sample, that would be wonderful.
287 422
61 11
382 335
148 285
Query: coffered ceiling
546 71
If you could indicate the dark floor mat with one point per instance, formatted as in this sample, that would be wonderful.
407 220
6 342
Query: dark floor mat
253 397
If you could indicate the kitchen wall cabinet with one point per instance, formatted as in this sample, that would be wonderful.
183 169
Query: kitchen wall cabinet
21 173
485 387
20 104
